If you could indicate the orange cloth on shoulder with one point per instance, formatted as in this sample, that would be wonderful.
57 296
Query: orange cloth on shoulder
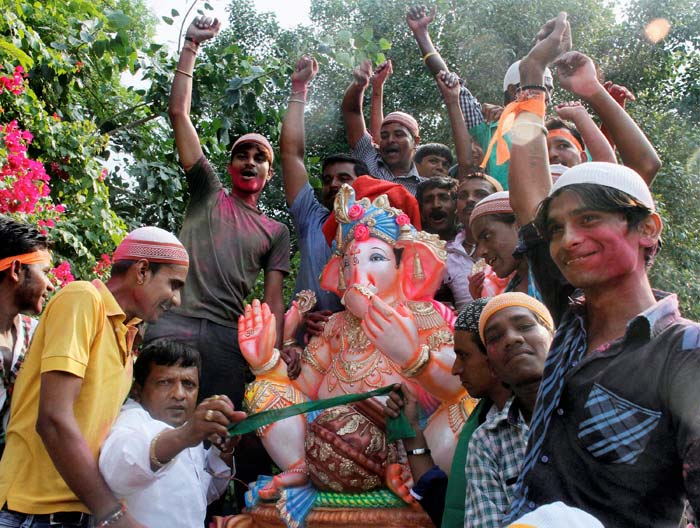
370 187
536 105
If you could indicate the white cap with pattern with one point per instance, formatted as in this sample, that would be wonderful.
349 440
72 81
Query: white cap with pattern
608 175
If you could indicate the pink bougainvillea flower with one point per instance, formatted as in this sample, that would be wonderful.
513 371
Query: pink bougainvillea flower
62 273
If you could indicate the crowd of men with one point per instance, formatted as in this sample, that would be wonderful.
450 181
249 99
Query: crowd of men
588 412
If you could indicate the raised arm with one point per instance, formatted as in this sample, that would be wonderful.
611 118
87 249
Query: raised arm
577 74
292 139
529 179
376 113
448 83
593 137
352 103
418 19
189 148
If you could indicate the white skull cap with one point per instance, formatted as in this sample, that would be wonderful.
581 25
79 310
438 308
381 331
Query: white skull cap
557 515
608 175
513 76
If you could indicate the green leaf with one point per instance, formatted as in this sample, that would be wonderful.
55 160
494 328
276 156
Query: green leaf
234 84
25 60
59 46
167 20
119 20
99 48
344 36
344 59
380 58
174 12
384 44
208 6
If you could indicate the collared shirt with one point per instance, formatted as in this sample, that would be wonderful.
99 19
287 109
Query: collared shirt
611 427
495 456
83 332
459 266
309 216
24 327
365 150
174 496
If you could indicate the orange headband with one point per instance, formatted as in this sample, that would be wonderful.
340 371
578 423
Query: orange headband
564 133
35 257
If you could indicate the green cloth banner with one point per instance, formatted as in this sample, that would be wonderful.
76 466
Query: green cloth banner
396 428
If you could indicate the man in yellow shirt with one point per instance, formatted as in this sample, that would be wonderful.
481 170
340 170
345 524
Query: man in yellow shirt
71 387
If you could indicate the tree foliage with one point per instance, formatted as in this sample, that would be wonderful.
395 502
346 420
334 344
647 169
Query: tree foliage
75 51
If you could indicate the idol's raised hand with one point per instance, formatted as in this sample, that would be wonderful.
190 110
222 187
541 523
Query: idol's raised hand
257 334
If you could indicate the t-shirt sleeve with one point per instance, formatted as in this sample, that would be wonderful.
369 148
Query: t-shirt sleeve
202 181
306 209
278 258
72 321
553 287
365 150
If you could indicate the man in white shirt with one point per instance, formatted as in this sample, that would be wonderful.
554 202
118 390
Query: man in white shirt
153 457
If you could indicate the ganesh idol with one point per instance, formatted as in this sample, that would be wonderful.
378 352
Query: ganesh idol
391 331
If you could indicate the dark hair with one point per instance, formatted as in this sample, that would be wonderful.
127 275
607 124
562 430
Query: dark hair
120 267
554 123
19 238
359 166
601 198
441 182
433 149
168 353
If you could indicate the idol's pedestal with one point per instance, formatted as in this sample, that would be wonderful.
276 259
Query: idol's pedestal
265 515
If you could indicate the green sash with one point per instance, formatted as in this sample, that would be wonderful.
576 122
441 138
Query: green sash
396 428
453 517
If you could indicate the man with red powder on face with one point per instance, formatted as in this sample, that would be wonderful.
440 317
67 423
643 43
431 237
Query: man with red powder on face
228 238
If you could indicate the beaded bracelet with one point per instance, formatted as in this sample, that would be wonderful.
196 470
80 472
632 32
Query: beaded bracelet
534 87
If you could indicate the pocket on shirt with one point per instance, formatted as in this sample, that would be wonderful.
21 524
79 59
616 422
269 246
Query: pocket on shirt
615 430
